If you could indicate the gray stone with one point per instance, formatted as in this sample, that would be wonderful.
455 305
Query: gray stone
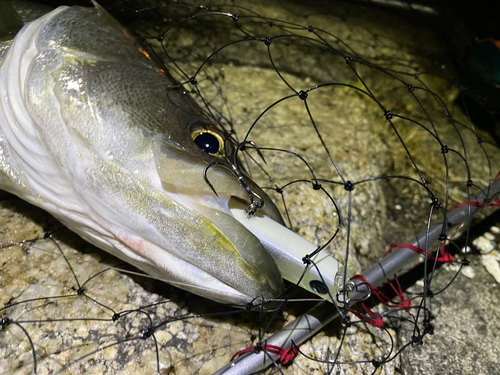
363 145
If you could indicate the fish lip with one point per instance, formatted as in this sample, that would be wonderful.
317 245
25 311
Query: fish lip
217 243
247 245
159 263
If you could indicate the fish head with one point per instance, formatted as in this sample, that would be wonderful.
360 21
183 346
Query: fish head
198 168
105 140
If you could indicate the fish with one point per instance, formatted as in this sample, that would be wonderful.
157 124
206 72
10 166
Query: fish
106 141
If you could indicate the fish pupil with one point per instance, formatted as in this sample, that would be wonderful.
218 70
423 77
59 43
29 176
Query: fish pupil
207 142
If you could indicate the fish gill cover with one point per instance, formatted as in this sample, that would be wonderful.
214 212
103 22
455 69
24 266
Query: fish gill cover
363 149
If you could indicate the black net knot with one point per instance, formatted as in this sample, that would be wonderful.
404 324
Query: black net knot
416 76
115 317
442 237
376 363
249 306
465 262
302 95
310 28
346 321
436 204
193 80
316 186
80 291
411 88
444 149
388 115
428 328
306 260
349 186
5 322
429 293
348 60
147 333
268 41
279 190
417 339
159 38
479 141
236 17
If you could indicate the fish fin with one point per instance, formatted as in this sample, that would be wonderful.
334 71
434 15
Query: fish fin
10 22
98 6
100 9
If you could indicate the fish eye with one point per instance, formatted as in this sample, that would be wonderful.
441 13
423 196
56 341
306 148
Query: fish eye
208 141
318 286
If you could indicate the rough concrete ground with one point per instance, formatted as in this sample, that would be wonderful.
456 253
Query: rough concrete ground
360 140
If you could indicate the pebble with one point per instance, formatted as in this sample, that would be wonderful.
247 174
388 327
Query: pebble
484 245
468 272
490 262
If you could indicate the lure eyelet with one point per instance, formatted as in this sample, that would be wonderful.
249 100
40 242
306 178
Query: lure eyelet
318 286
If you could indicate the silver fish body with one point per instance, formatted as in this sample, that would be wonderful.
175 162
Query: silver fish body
92 131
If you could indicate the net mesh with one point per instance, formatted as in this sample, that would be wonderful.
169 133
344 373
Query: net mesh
354 135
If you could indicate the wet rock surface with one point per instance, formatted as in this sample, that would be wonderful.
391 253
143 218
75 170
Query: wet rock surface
363 145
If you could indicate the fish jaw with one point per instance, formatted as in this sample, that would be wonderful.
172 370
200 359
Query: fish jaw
184 275
77 142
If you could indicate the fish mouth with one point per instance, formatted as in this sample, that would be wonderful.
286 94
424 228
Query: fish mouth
247 276
248 272
157 262
203 249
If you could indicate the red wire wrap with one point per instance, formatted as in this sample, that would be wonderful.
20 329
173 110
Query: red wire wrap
286 355
444 257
